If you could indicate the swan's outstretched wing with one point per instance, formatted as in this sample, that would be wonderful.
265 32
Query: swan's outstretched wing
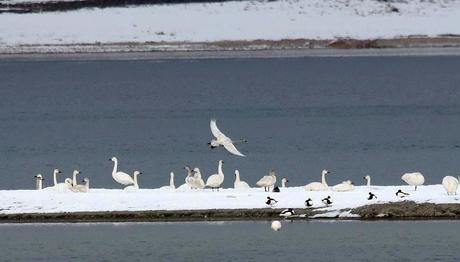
215 131
232 149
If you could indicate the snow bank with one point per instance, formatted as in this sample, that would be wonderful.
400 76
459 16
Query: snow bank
247 20
48 201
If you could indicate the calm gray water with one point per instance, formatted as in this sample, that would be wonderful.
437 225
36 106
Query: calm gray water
381 116
233 241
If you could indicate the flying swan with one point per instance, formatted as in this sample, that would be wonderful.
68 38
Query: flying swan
222 140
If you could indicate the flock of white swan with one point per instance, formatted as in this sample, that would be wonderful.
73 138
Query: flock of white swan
194 179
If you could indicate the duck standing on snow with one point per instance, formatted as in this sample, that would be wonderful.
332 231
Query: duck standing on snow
414 179
309 202
287 212
267 181
319 186
327 201
271 201
344 186
450 184
222 140
238 184
216 180
39 182
371 196
401 194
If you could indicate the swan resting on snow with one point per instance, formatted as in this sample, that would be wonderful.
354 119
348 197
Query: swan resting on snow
414 179
368 179
74 178
39 182
238 184
216 180
135 186
284 182
319 186
171 182
222 140
82 188
267 181
120 177
344 186
450 184
197 181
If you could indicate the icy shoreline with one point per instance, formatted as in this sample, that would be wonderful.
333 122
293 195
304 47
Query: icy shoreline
157 204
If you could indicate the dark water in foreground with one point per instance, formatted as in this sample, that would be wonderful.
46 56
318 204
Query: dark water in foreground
354 116
233 241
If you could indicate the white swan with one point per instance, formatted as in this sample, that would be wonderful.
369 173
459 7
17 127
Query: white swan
59 186
267 181
39 182
344 186
223 140
284 182
238 184
414 179
135 186
171 182
82 188
120 177
189 179
368 179
450 184
216 180
197 181
74 177
317 186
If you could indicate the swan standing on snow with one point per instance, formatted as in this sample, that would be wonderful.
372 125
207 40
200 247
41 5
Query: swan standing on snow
317 186
450 184
135 186
267 181
368 179
223 140
414 179
344 186
82 188
39 182
284 182
120 177
171 182
216 180
238 183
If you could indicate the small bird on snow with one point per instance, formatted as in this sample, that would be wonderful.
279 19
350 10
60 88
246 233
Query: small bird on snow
271 201
327 201
401 194
371 196
308 202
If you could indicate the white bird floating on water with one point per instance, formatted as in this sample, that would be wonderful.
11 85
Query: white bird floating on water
238 184
223 140
344 186
120 177
267 181
39 182
276 225
171 183
135 186
450 184
317 186
368 179
414 179
214 181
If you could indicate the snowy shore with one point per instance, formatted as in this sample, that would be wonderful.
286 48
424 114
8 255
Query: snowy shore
242 25
113 200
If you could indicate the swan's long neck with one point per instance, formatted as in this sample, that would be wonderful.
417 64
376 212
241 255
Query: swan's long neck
55 178
87 185
220 169
283 183
135 181
171 180
237 177
368 181
323 179
74 179
115 166
39 184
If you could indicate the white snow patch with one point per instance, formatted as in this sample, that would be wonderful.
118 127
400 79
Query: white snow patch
245 20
